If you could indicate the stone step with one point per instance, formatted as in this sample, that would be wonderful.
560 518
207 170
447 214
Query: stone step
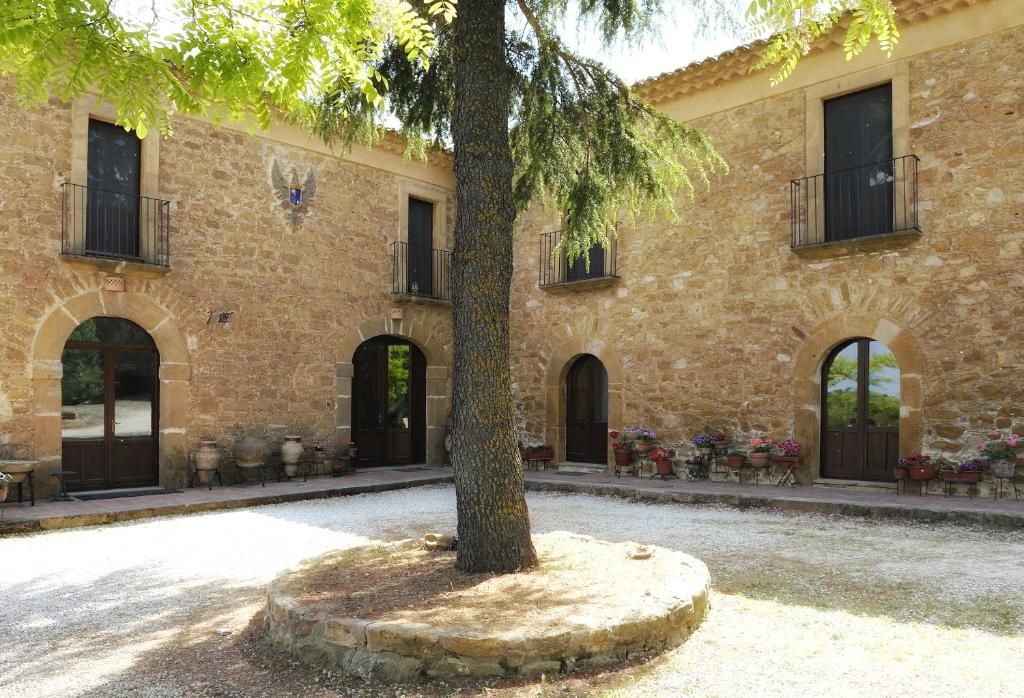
591 468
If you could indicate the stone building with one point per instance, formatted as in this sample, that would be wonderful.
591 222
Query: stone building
216 283
246 311
731 317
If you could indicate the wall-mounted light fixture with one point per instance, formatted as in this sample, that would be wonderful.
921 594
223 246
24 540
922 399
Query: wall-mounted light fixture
221 317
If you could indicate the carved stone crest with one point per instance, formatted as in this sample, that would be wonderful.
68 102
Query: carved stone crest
295 197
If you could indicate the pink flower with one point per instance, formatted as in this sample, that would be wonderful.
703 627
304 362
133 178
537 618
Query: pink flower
994 434
983 447
757 441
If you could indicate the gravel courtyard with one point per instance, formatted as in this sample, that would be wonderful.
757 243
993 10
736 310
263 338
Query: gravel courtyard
802 605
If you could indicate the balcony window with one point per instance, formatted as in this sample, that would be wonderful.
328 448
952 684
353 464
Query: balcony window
421 272
107 217
556 270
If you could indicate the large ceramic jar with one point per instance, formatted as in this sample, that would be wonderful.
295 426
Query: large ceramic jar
207 459
291 452
251 451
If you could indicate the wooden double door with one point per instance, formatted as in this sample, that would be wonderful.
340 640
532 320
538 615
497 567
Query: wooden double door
860 412
586 412
109 414
389 402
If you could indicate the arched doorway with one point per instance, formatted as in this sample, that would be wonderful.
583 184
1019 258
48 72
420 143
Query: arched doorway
586 411
389 402
860 411
109 405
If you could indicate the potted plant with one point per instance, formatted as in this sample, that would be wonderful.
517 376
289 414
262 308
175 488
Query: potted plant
339 458
735 461
662 458
353 451
760 452
318 453
5 485
919 467
720 441
789 453
968 471
537 452
704 443
622 446
643 438
1001 453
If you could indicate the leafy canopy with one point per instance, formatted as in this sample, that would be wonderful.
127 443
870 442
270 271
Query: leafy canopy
582 140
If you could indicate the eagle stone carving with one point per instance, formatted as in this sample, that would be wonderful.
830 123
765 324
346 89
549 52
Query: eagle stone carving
294 197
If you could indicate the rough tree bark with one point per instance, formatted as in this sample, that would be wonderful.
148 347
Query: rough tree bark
493 522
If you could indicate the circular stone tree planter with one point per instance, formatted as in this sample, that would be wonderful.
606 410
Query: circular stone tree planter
399 612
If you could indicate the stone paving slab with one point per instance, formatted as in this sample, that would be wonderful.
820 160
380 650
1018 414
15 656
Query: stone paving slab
21 518
846 501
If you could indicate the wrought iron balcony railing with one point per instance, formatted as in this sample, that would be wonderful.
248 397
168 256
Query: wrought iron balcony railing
421 271
867 201
555 268
115 225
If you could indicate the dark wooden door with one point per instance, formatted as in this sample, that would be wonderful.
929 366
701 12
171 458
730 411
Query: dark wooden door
389 402
577 271
420 264
860 412
858 164
110 398
112 206
586 412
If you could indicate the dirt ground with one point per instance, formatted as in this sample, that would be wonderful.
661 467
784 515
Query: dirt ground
802 605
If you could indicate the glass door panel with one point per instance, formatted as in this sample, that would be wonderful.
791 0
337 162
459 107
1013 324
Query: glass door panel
135 380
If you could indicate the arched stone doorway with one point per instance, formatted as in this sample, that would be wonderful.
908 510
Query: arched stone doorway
808 372
110 412
586 411
432 340
860 411
174 374
389 402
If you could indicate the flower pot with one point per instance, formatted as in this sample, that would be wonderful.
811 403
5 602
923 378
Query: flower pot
962 476
3 493
339 466
545 454
900 473
251 452
642 447
759 460
622 458
785 461
318 455
735 461
291 452
922 472
663 467
1002 468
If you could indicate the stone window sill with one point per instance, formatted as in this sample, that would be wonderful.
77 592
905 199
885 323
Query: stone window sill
115 266
419 300
582 285
873 243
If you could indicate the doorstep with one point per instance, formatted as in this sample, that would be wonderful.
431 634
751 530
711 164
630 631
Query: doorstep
859 484
590 468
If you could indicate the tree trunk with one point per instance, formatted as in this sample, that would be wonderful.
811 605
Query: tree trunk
493 522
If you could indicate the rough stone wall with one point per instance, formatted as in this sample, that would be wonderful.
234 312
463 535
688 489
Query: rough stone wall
712 311
297 294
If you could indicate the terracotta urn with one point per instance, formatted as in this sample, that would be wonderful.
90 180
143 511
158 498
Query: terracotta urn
207 459
621 457
291 452
1002 468
251 451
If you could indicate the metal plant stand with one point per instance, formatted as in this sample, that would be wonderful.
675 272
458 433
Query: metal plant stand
997 491
63 476
789 475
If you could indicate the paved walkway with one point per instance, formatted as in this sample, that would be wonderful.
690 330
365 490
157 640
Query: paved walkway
849 501
21 518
